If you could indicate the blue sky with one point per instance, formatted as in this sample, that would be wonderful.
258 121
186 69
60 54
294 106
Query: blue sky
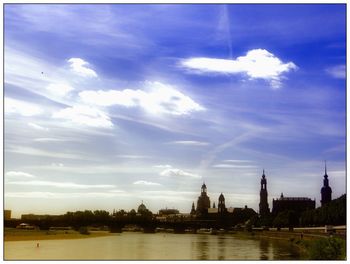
109 105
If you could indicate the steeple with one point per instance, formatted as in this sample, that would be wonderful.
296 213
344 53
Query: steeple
263 205
193 210
221 205
326 191
204 188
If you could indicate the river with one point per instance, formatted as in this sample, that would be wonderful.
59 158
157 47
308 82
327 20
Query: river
159 246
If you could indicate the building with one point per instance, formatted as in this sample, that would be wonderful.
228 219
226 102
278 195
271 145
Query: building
297 204
7 214
221 212
221 205
264 209
193 209
167 211
142 209
203 202
326 191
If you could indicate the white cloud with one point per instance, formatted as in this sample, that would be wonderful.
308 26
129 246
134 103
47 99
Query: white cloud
51 195
36 126
42 153
190 143
236 161
133 156
80 67
146 183
59 89
57 164
13 106
159 99
178 173
338 72
163 166
19 174
48 140
61 184
232 166
257 63
85 115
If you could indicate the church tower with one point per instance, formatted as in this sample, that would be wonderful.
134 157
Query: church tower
193 210
203 202
326 191
221 204
263 205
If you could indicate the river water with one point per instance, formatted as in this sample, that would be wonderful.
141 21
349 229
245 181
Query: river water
159 246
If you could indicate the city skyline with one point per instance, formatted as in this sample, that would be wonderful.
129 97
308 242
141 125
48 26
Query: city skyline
109 105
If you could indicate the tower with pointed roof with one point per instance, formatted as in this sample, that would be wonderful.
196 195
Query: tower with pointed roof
326 191
263 205
193 210
221 204
203 202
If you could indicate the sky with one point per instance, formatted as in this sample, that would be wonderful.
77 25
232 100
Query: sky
110 105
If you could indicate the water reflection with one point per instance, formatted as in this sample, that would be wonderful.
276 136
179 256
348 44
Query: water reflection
221 247
132 246
285 250
202 247
264 249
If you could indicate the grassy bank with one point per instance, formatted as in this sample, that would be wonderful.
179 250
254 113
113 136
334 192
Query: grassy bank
12 234
311 246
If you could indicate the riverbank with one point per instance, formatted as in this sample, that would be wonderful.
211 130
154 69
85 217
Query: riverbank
12 234
315 246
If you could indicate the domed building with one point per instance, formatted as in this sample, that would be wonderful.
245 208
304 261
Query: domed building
142 209
203 202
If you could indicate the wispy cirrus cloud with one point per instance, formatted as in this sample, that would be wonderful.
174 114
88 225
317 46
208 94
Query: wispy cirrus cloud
13 106
133 156
189 143
19 174
37 127
69 185
338 71
85 115
232 166
178 173
166 166
65 195
158 98
42 153
256 64
236 161
81 67
141 182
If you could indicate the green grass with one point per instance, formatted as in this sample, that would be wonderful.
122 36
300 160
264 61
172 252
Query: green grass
325 249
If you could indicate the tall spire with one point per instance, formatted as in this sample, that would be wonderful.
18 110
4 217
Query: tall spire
325 167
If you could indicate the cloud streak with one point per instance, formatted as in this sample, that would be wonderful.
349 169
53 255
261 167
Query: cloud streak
19 174
13 106
158 99
256 64
190 143
141 182
338 72
178 173
68 185
85 115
